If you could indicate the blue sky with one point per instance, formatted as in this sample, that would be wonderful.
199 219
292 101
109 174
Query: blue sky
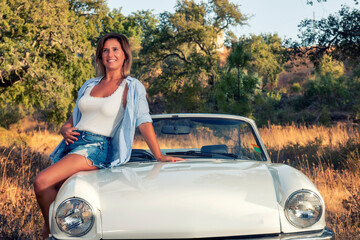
267 16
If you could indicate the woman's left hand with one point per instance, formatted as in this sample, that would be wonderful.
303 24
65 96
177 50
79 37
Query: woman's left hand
165 158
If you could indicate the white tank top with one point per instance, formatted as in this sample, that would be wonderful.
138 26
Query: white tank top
101 115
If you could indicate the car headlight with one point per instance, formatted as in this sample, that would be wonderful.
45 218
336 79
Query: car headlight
74 216
303 208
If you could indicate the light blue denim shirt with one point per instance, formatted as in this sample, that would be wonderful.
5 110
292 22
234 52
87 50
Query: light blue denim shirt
136 113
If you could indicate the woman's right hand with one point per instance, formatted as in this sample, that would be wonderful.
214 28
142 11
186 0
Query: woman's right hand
69 134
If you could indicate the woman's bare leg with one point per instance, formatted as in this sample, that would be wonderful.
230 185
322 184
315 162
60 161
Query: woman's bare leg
47 182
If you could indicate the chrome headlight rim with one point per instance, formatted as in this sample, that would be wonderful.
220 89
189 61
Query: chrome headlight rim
92 219
302 191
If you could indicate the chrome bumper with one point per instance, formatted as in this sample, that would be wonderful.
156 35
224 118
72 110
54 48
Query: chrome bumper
325 234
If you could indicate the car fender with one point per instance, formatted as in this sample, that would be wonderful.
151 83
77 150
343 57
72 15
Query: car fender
77 187
288 180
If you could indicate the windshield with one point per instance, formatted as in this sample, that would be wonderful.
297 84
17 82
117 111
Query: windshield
201 138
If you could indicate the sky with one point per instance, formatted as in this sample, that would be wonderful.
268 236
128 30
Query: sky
266 16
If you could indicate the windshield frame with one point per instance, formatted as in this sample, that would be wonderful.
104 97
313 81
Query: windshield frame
250 122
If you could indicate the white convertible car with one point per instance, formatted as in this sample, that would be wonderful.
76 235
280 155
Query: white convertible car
226 189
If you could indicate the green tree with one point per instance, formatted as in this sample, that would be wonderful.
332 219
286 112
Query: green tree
47 50
329 89
268 58
328 66
236 97
327 42
235 90
267 106
252 61
257 61
337 35
90 13
238 58
182 57
44 55
145 23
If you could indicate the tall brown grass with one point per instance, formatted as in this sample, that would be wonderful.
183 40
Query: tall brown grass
276 137
24 152
329 156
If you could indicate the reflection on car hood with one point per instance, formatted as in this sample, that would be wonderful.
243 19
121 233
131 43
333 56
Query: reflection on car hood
187 199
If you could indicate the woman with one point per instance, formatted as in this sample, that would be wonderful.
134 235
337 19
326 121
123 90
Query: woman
100 132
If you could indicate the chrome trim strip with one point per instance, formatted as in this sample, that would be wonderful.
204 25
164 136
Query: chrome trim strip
325 234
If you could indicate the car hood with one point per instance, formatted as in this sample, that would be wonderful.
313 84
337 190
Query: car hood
187 199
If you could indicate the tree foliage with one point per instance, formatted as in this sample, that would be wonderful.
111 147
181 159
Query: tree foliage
249 85
183 52
329 43
189 60
328 66
43 55
268 58
338 35
236 88
46 51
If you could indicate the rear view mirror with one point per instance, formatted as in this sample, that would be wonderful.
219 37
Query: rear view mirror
175 129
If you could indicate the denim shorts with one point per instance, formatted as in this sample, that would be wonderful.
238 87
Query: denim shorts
92 146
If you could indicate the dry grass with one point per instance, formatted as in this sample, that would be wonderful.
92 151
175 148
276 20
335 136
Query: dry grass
315 150
276 137
30 133
24 149
340 191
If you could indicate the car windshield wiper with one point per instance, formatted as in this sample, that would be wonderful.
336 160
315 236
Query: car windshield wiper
202 154
190 153
232 155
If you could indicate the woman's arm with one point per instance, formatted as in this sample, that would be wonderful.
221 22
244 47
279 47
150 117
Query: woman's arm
67 131
148 133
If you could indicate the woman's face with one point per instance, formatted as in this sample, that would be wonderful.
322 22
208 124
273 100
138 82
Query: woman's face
113 56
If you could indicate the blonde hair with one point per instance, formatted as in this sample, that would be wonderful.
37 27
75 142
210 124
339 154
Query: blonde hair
99 65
